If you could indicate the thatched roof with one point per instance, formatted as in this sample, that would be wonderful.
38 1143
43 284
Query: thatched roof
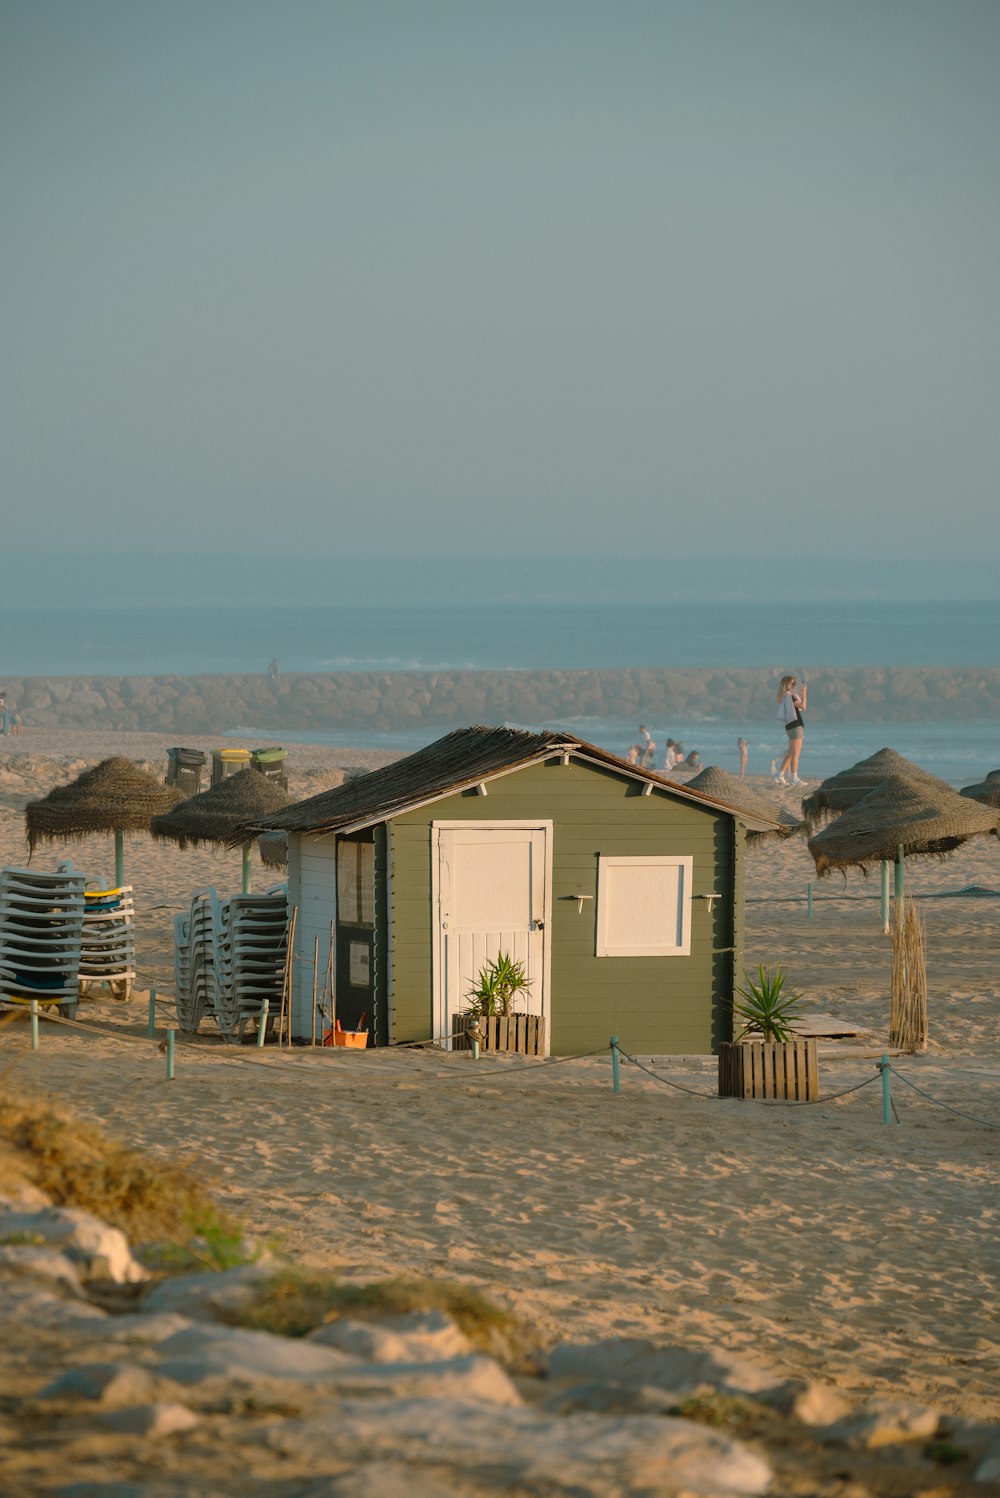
734 790
114 796
213 815
924 817
987 791
459 761
846 788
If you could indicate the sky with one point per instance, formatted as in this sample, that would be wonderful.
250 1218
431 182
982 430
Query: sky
653 279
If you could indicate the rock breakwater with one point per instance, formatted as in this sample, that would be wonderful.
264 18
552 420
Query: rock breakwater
384 701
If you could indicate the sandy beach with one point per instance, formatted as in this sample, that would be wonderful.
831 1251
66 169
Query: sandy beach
813 1238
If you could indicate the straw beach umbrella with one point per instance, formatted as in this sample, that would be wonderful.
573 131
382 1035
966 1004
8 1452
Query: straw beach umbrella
903 817
214 815
846 788
729 788
273 849
115 796
987 791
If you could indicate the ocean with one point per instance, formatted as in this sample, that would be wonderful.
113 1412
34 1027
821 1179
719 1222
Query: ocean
156 640
101 639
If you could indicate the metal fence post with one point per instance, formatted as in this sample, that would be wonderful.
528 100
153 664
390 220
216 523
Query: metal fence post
616 1074
885 1067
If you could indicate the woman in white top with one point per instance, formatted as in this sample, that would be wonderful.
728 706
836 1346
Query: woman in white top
791 705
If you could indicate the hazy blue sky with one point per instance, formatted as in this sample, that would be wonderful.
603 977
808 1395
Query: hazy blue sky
634 278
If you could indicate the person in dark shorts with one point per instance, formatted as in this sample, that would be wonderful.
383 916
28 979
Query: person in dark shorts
791 701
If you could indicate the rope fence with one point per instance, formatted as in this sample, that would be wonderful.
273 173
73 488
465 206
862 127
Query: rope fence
477 1075
714 1096
983 1122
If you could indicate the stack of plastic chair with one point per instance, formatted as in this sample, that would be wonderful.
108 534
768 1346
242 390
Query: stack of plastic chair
194 959
41 934
252 958
108 952
229 956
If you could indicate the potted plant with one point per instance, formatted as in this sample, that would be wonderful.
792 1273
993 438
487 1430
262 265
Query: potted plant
490 1015
766 1058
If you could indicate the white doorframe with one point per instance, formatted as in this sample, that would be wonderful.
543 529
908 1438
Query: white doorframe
497 824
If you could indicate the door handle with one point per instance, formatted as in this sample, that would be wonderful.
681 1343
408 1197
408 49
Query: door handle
539 925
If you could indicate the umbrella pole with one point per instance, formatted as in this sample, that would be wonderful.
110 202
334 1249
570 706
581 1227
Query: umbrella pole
885 897
119 857
246 868
900 874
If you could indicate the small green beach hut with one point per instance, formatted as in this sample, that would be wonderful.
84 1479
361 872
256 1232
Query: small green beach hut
620 891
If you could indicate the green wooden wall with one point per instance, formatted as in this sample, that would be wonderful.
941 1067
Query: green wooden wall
656 1005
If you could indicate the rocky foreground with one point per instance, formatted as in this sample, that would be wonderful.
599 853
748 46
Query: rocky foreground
383 701
119 1384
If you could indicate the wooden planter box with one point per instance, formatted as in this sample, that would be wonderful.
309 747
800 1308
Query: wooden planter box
769 1069
523 1034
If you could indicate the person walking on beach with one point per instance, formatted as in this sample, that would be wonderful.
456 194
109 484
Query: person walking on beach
791 701
744 749
648 745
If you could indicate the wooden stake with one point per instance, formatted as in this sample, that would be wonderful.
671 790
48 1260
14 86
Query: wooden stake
328 981
315 982
331 968
286 982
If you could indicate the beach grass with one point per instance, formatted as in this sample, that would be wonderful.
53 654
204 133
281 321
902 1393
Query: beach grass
294 1302
160 1205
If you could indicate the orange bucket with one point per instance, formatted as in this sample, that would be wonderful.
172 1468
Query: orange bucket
338 1036
356 1038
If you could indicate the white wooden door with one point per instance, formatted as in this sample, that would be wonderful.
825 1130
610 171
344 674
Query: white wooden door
492 895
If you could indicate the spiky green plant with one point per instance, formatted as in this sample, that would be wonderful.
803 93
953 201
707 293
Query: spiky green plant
497 988
768 1009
